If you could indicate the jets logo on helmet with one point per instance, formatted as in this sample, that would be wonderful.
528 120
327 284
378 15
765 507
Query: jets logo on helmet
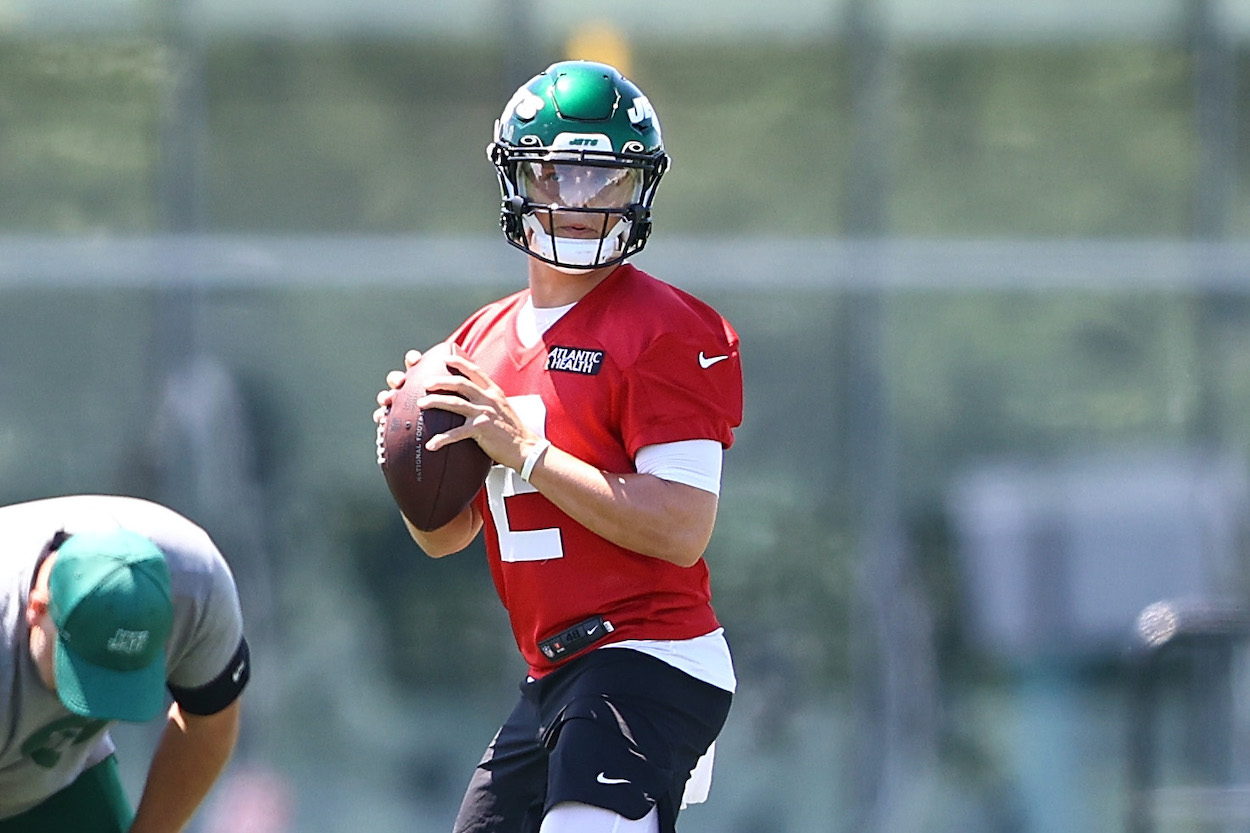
523 106
642 112
581 141
578 153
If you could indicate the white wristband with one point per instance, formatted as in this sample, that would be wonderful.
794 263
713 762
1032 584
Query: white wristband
531 459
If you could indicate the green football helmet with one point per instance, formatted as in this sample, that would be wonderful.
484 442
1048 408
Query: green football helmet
578 153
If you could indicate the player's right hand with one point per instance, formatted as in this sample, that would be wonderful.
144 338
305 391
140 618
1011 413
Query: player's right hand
394 381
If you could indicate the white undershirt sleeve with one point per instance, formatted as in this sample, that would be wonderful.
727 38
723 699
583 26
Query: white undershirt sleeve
692 462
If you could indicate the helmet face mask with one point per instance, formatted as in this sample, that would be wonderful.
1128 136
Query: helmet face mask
578 153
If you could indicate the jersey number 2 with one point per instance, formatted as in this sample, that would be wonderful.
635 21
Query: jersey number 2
503 483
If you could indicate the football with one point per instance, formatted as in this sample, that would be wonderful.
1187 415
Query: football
430 487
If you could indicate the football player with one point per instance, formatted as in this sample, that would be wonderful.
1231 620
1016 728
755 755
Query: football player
606 398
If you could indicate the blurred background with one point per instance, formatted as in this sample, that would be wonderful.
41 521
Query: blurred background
982 546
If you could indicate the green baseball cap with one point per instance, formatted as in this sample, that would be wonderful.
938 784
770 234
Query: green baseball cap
113 608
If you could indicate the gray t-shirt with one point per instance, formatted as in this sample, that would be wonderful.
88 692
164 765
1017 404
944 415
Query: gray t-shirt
44 746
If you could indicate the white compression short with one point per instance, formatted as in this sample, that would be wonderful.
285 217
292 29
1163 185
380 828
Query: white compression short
572 817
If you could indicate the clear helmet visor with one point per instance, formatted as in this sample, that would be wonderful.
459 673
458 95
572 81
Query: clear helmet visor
569 185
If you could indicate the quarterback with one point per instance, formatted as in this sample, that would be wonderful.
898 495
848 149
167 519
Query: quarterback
606 398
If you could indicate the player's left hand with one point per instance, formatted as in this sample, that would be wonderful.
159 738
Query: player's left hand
488 418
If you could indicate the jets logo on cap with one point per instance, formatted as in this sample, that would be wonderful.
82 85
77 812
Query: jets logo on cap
128 642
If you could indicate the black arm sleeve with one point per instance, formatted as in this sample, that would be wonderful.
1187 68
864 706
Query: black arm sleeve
220 692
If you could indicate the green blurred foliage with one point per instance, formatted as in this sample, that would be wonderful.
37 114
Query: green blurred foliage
1036 141
1020 373
388 136
79 128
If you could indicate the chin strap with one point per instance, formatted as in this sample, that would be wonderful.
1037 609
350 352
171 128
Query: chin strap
575 254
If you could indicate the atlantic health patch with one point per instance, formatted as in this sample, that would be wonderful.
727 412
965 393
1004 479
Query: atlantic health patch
575 360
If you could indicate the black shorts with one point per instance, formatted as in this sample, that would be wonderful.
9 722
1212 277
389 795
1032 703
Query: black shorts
615 728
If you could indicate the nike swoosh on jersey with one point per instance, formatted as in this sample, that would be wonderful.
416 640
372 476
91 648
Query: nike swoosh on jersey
707 361
602 778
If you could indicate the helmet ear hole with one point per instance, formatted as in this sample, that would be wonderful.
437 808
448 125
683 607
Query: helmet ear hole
510 217
640 230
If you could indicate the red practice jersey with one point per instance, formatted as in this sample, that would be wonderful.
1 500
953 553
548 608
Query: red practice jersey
636 362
